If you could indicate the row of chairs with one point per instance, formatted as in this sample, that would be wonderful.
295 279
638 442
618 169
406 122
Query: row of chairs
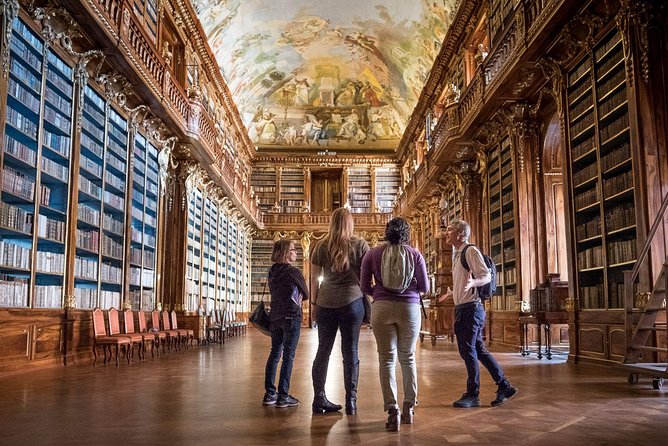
222 323
169 336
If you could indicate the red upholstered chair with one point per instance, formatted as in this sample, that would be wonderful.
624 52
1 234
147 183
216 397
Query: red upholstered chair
101 338
161 335
135 337
172 335
115 331
187 335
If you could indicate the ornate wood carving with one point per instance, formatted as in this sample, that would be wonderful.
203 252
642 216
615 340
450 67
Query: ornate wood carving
10 10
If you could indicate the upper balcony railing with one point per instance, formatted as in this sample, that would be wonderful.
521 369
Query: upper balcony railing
528 18
193 119
322 219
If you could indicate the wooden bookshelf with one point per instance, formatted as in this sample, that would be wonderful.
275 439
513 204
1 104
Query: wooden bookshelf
263 180
292 190
502 234
601 174
261 255
143 225
359 189
387 184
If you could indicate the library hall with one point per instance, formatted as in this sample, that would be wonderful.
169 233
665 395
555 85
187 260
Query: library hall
329 222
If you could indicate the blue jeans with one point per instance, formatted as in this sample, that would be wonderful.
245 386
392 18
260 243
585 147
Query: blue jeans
284 339
469 323
349 320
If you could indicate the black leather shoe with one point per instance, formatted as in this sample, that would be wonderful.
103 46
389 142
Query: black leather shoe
467 401
407 413
322 405
393 420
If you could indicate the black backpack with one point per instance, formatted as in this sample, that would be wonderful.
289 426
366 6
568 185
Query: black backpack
486 291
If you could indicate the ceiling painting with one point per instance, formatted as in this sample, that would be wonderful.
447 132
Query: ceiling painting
331 73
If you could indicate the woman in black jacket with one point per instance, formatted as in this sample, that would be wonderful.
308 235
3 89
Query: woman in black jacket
288 289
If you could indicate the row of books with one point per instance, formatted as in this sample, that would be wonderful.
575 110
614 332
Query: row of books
13 291
51 229
88 239
17 183
14 256
50 262
15 217
590 258
48 296
20 151
621 251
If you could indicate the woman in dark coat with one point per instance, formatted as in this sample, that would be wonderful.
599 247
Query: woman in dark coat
288 289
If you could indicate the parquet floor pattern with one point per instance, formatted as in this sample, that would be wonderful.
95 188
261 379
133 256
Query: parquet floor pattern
212 396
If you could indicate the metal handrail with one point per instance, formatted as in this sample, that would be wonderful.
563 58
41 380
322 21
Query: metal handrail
652 232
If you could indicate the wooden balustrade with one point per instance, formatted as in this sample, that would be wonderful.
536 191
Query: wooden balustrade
143 49
471 98
178 101
498 60
322 219
207 131
111 9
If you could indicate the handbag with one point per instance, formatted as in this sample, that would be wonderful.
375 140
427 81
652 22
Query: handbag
259 318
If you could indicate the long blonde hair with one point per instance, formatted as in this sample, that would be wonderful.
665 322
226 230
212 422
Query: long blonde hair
341 228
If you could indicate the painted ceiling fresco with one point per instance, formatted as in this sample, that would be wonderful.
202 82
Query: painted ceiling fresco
331 73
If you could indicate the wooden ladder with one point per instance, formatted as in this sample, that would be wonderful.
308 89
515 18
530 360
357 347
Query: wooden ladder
651 312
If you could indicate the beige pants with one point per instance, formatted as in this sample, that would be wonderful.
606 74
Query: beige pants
396 326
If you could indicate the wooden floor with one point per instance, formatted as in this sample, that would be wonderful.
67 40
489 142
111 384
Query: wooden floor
212 395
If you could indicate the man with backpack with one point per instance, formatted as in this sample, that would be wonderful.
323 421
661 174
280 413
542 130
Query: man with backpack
471 280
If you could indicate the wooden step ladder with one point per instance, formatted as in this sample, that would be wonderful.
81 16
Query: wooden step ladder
647 341
644 354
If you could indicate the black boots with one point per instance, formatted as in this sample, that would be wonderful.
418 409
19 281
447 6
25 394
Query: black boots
351 405
407 414
393 420
322 405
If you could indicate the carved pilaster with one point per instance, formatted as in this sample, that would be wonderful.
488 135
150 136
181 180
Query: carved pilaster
472 187
556 87
634 18
10 10
525 126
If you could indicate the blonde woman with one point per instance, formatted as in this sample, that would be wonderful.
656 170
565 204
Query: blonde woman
337 258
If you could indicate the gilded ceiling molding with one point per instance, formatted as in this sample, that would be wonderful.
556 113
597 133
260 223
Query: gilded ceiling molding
10 11
316 161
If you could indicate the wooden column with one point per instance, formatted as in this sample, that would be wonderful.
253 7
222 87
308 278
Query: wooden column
472 203
173 242
532 260
307 188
